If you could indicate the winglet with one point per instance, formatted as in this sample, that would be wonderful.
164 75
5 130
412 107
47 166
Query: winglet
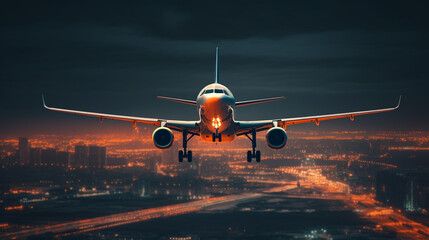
399 102
43 101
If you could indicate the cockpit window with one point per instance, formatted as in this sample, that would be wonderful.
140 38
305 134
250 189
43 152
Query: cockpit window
214 91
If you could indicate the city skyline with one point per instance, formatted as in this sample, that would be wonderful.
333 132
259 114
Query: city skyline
380 178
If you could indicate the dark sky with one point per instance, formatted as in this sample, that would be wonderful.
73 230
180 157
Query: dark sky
116 57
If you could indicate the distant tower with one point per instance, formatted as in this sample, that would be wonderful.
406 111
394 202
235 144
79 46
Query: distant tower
24 151
81 156
97 157
409 198
35 156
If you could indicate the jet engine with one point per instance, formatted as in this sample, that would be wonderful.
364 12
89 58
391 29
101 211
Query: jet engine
163 138
276 138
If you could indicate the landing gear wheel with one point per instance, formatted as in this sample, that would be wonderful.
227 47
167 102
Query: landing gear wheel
185 153
253 154
249 156
180 156
258 156
189 156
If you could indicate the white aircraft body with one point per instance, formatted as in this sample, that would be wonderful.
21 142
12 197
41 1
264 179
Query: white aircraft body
216 106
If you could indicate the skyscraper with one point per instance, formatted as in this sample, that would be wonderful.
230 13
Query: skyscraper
24 151
35 156
81 156
97 157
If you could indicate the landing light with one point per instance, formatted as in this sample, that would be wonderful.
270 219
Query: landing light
216 123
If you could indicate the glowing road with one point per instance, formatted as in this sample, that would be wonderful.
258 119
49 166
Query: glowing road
92 224
365 206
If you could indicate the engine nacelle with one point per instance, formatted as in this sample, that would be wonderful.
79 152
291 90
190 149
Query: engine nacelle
163 138
276 138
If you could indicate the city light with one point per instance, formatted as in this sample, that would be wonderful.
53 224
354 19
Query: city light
117 166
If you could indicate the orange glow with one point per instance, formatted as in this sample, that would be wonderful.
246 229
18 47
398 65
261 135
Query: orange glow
20 207
4 225
20 191
216 123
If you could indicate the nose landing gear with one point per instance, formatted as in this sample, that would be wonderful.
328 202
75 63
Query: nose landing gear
185 153
253 154
217 136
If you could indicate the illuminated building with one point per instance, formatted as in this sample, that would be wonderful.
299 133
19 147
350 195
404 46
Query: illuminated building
140 188
404 189
409 198
24 151
89 157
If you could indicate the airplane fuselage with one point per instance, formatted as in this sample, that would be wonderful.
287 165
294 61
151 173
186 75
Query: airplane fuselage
215 105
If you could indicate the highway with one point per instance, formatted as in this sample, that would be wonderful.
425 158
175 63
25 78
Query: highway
76 227
364 205
367 208
388 218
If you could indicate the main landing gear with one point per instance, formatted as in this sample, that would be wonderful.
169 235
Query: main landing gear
185 153
253 154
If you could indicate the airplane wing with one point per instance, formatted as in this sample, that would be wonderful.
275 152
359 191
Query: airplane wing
246 126
191 126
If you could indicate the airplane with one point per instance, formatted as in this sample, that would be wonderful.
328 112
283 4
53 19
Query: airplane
216 107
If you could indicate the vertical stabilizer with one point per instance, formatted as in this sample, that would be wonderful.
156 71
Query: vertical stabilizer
217 66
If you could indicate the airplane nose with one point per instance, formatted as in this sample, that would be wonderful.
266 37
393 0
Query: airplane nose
214 105
215 110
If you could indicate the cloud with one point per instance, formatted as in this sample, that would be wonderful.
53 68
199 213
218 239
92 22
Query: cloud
220 20
117 57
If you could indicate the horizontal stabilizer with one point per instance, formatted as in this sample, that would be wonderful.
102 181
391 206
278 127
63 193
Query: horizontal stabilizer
250 102
190 102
